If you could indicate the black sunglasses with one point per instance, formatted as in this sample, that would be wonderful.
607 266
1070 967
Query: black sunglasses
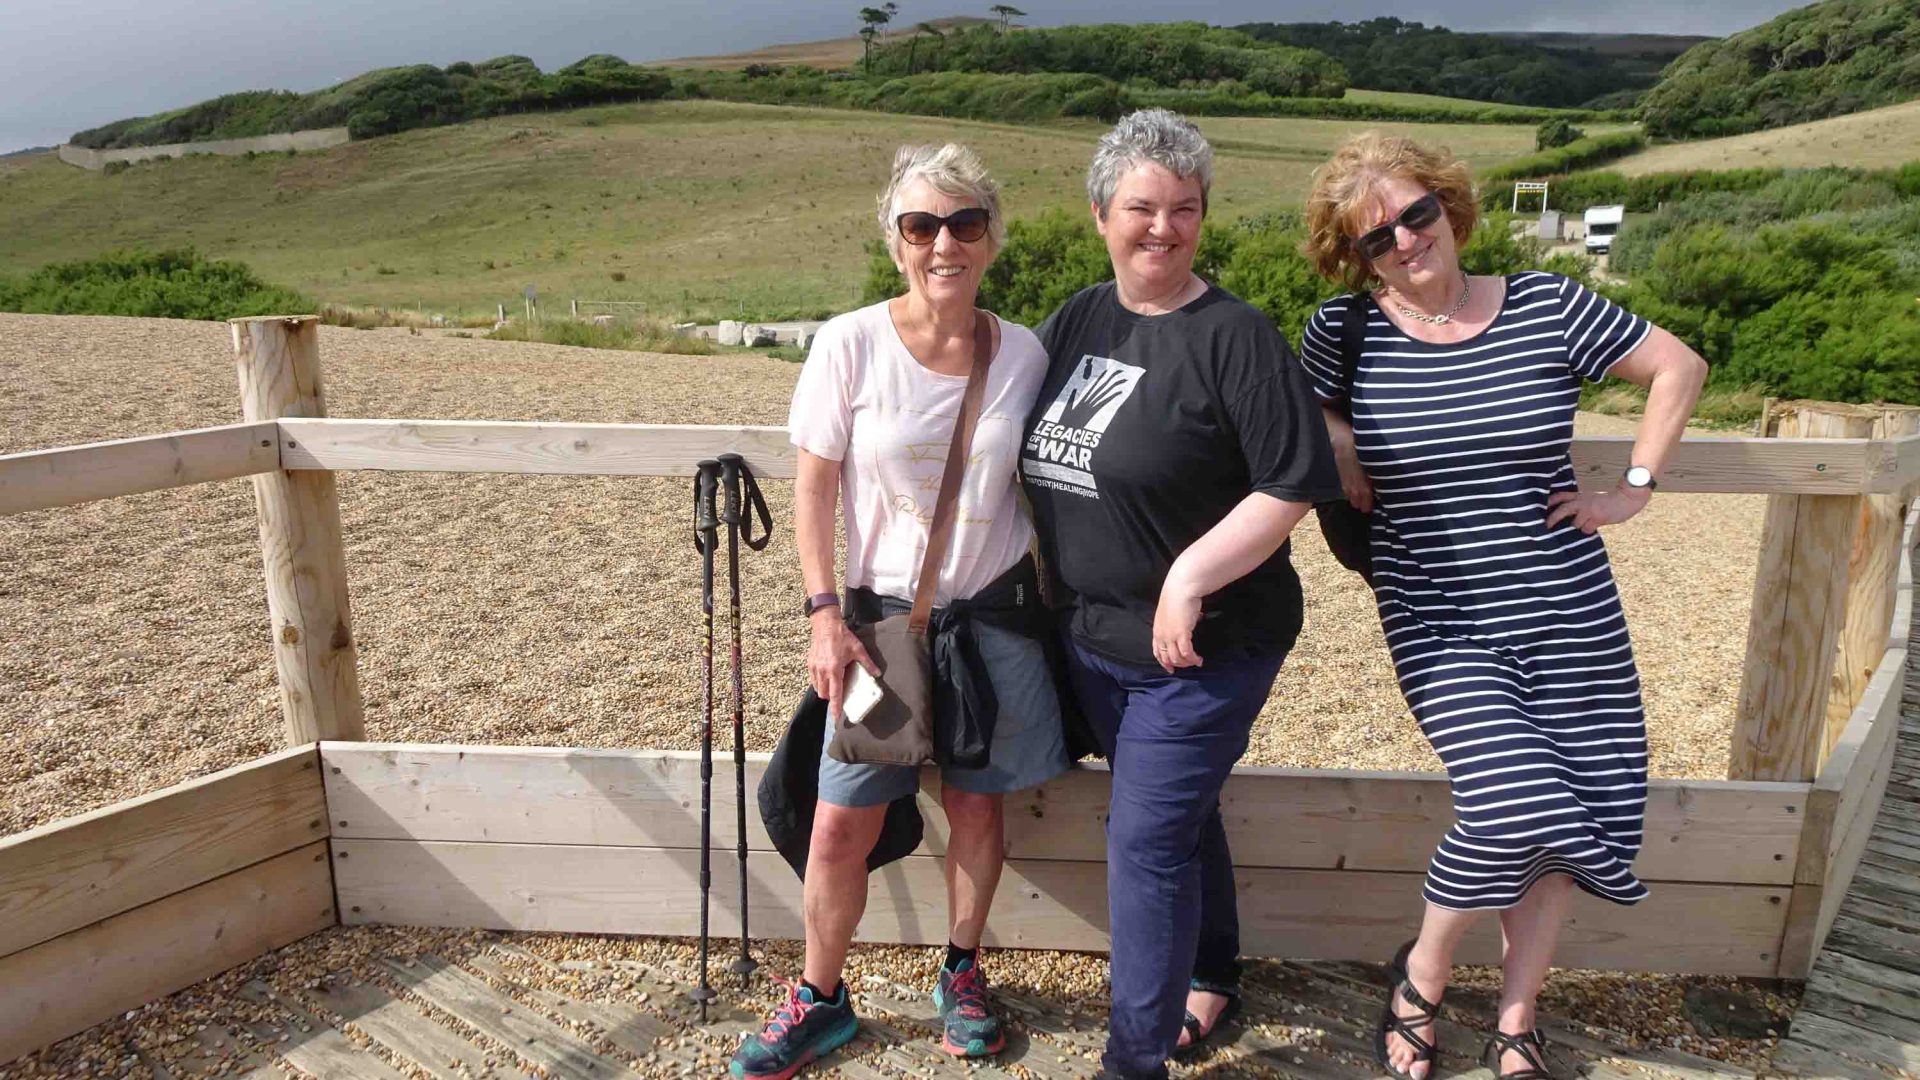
918 227
1419 214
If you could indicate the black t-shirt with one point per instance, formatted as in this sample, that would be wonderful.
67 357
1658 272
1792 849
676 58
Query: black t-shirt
1147 432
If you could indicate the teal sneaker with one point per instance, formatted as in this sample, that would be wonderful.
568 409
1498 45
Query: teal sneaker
969 1028
799 1031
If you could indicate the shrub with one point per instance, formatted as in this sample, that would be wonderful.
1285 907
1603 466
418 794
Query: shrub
644 335
174 284
1556 132
1581 154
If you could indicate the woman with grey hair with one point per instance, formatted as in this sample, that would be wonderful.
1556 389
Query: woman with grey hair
1172 450
872 419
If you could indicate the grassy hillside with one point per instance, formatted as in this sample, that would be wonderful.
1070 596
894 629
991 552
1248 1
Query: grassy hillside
1826 59
699 207
1876 139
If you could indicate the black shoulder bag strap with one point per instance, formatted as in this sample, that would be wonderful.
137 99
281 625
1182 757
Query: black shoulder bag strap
1348 532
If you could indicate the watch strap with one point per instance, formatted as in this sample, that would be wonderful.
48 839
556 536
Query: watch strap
819 600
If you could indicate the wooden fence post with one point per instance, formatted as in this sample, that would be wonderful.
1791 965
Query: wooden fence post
1872 572
1799 607
279 364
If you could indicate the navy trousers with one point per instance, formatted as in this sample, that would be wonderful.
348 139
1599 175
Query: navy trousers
1172 740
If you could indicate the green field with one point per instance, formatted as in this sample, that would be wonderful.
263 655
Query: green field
701 208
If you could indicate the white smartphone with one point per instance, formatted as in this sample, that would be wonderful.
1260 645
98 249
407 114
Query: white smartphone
861 695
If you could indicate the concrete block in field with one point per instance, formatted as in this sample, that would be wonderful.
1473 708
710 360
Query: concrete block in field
804 338
759 337
730 331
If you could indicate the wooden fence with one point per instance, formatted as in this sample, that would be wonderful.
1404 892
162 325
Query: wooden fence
105 911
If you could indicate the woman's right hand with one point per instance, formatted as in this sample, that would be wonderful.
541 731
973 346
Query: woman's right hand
834 648
1353 478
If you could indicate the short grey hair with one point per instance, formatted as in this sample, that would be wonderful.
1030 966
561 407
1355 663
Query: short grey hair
1158 135
953 171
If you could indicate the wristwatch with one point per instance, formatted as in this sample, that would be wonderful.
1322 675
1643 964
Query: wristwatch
819 600
1639 476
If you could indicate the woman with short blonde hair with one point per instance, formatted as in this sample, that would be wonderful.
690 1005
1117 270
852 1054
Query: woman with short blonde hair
872 420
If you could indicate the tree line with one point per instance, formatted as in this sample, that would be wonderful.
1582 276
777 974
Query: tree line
1390 54
1826 59
391 100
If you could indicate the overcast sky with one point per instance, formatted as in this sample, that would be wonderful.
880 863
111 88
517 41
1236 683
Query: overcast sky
66 65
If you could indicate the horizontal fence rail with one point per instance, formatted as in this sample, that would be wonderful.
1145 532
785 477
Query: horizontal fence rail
39 479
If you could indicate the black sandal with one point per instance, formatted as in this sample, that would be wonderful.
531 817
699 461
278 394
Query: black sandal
1392 1023
1228 1012
1530 1045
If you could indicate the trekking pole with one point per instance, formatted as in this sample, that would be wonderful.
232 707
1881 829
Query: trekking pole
705 528
735 480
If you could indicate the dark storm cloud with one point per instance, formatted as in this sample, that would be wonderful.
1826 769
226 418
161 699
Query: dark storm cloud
76 64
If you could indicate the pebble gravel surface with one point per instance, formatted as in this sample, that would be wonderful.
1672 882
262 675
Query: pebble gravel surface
540 610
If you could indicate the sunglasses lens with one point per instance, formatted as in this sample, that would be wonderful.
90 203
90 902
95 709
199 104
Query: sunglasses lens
1376 242
968 225
1424 212
1419 214
918 227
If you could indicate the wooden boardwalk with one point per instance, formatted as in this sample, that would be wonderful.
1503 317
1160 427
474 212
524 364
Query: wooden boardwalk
494 1013
1861 1010
1860 1014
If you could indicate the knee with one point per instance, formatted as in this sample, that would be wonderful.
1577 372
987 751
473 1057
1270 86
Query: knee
969 812
844 834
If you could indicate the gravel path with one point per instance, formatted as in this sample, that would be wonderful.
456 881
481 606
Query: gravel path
564 610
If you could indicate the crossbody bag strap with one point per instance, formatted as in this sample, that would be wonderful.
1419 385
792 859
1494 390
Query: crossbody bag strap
1353 339
947 506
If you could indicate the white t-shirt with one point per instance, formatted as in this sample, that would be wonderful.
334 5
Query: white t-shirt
864 401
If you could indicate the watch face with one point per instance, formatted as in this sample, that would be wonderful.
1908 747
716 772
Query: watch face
1639 476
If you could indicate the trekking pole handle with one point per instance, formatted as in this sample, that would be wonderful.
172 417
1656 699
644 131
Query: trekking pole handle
706 478
731 466
738 479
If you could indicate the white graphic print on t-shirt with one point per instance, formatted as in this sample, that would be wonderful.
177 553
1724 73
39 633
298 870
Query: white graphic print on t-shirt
1062 444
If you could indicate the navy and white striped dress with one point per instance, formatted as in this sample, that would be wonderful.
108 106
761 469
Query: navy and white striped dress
1507 637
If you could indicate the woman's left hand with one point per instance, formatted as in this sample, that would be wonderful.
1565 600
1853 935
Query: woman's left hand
1173 623
1590 510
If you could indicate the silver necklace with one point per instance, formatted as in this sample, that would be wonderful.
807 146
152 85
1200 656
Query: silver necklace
1466 290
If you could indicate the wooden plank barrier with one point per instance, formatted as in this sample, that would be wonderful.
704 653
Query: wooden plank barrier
600 841
64 875
107 911
64 476
1841 808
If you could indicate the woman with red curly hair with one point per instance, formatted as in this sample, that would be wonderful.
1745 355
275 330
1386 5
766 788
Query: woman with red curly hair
1450 401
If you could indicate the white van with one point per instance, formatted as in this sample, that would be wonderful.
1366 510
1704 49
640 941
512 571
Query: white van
1602 223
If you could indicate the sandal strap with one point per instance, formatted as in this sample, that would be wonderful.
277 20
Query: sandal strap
1413 997
1528 1044
1191 1023
1403 1026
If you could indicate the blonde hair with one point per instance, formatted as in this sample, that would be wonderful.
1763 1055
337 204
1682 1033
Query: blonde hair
1349 183
953 171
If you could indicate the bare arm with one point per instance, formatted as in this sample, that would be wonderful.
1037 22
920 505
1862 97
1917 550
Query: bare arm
1245 538
1673 375
1353 479
816 494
